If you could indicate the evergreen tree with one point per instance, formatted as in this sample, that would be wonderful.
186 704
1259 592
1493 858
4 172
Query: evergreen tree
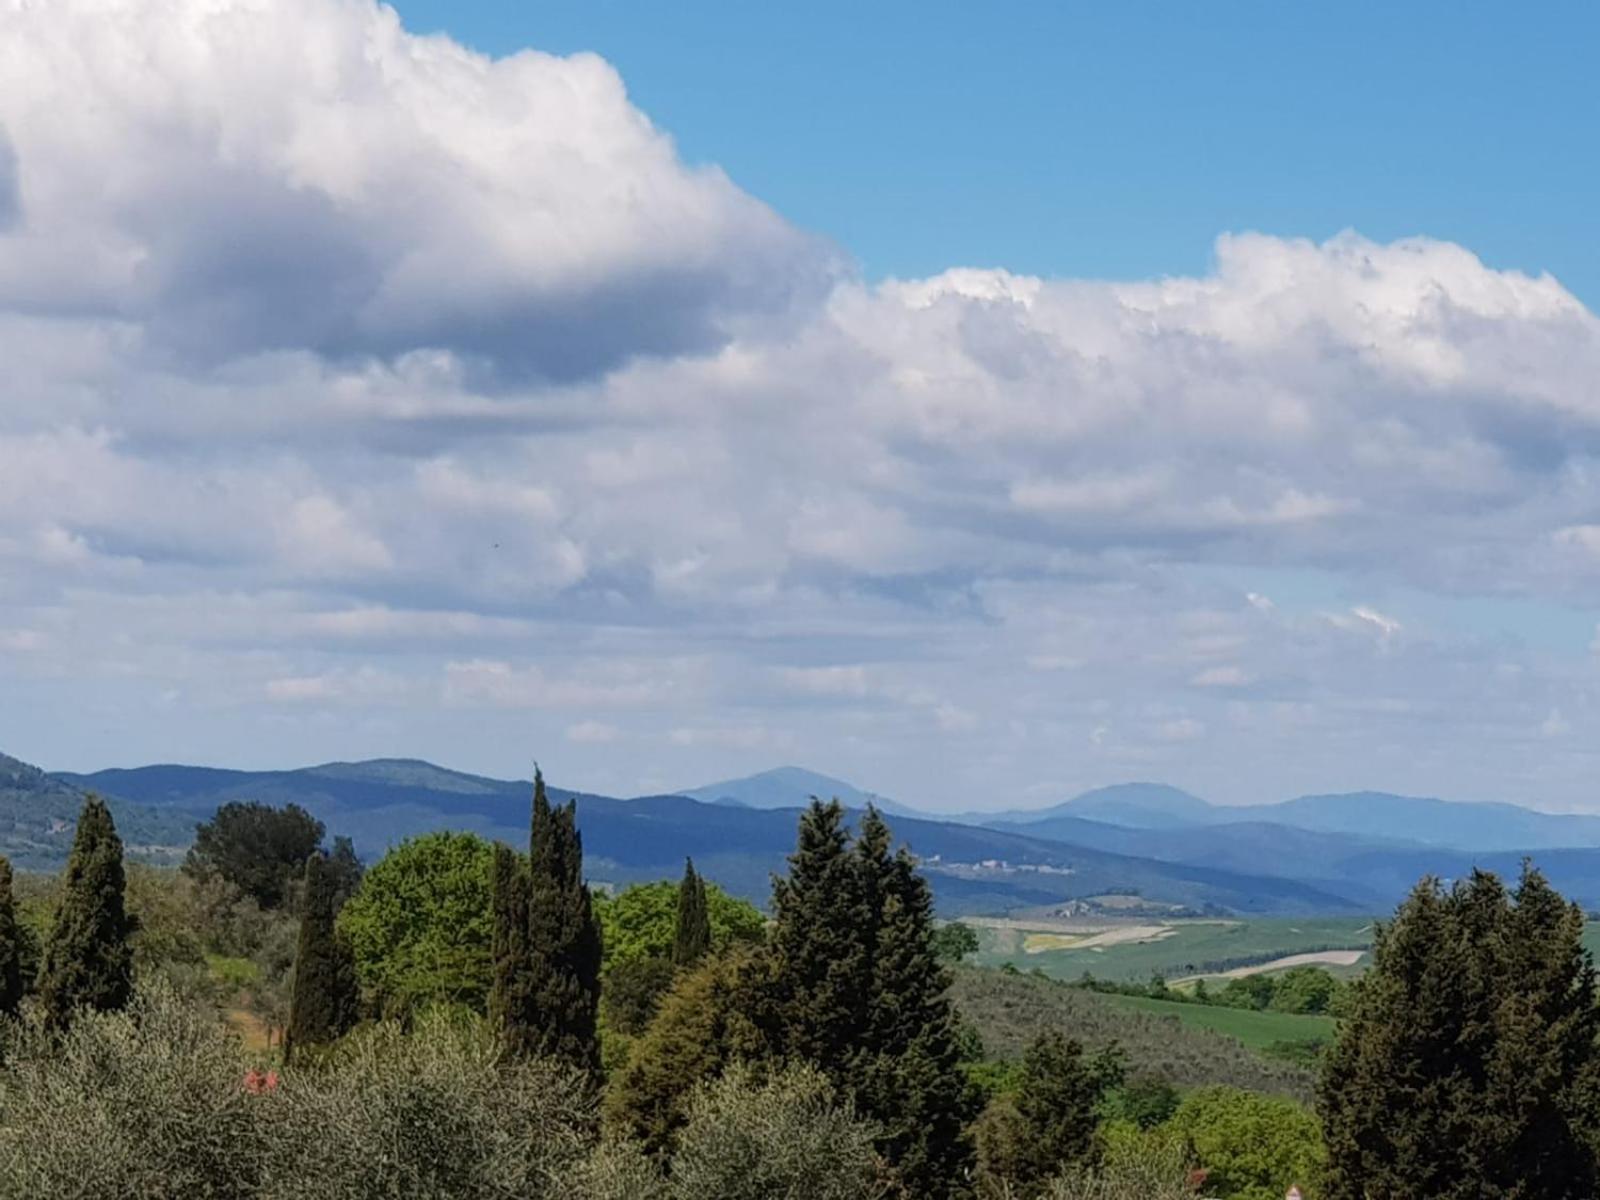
88 962
1467 1064
510 1012
11 980
692 933
322 1005
820 945
563 950
909 1077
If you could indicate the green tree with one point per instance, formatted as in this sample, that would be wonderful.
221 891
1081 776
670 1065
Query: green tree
88 961
640 921
1255 1147
257 848
953 942
908 1078
322 1005
345 870
1049 1124
700 1027
1467 1063
819 947
692 931
1305 990
11 949
563 958
420 924
510 1004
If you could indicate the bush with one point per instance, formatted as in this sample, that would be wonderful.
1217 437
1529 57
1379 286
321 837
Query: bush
788 1137
435 1113
1148 1168
141 1103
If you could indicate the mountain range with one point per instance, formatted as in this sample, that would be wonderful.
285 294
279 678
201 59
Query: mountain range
1171 849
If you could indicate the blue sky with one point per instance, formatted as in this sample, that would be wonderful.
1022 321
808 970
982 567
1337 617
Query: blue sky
1114 140
977 403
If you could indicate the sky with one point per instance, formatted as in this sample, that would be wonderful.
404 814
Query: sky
979 403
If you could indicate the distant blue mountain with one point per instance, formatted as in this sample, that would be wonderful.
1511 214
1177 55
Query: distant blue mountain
793 787
972 868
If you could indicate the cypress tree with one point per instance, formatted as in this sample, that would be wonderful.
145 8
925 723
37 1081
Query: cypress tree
820 945
322 1005
563 950
691 936
88 962
11 981
908 1076
509 1008
1468 1064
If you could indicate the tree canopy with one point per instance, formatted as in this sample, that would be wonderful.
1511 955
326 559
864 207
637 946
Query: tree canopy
420 923
257 848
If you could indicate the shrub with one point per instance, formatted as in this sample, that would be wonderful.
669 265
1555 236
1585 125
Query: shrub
788 1137
141 1103
1146 1168
434 1113
1252 1147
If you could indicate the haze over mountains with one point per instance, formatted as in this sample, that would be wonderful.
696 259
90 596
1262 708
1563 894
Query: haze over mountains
1141 844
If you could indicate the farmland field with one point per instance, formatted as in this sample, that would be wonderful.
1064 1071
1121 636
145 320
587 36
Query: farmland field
1258 1030
1135 950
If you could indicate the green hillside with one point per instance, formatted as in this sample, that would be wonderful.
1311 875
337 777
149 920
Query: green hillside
38 815
1257 1030
1010 1010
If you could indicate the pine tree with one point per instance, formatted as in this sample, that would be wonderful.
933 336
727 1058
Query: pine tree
908 1076
322 1005
1467 1066
510 1011
88 962
11 981
692 934
563 951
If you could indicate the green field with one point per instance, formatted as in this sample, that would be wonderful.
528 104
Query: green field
1172 949
1258 1030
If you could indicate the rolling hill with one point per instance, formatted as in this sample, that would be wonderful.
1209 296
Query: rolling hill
973 868
793 787
38 814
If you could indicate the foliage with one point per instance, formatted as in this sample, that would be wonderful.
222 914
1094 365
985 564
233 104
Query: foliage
700 1029
323 1003
1468 1065
140 1103
419 925
953 942
257 848
1134 1168
11 949
1049 1123
641 920
510 1003
691 934
562 966
434 1113
1143 1103
1009 1011
1251 1147
632 993
88 961
788 1136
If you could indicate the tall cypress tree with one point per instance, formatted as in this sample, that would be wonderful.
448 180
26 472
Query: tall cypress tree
323 1003
820 945
908 1076
1468 1065
88 962
563 952
11 981
691 935
510 1011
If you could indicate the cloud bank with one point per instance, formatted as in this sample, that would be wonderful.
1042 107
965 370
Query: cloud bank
367 395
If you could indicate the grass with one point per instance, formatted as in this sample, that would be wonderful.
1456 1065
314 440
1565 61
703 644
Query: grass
1186 947
1257 1030
1009 1011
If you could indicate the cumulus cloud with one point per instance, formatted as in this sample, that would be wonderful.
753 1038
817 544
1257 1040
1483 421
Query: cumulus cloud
354 373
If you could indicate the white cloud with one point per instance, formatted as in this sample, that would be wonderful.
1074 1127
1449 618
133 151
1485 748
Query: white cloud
333 350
